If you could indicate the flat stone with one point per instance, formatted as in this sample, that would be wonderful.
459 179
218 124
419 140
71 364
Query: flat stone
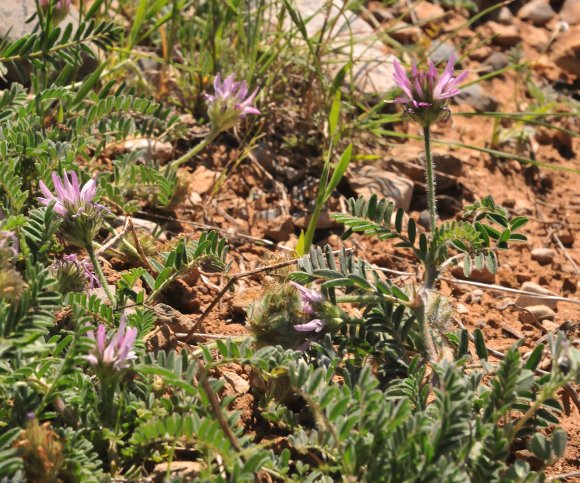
481 53
151 149
523 300
570 12
497 61
352 40
511 330
280 228
550 326
174 319
427 12
441 51
537 313
505 16
461 309
101 294
476 97
204 179
566 51
410 161
474 296
504 35
371 179
405 33
13 26
481 276
538 12
238 383
543 256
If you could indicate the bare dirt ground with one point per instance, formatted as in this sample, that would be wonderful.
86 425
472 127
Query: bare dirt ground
258 209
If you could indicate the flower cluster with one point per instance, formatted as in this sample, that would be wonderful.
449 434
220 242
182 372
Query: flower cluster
229 103
82 217
426 93
110 357
313 304
74 275
59 8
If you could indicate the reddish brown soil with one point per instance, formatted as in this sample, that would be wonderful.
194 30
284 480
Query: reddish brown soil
550 198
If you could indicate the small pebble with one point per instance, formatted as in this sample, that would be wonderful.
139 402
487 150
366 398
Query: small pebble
525 301
462 309
543 256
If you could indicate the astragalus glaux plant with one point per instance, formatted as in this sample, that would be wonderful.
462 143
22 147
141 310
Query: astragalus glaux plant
226 107
81 216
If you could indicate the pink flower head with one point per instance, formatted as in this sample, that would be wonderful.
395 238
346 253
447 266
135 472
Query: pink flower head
82 216
308 297
83 268
59 8
70 199
426 92
315 325
230 102
111 356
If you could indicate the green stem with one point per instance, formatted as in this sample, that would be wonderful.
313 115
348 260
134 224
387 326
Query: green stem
190 154
425 328
99 273
430 180
309 236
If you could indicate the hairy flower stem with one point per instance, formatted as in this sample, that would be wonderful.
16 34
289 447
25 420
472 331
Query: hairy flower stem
430 180
190 154
423 318
99 273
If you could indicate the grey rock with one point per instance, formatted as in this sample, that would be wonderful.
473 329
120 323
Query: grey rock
238 383
537 313
371 179
497 61
174 319
411 163
543 256
441 51
476 97
504 35
352 39
150 149
474 296
101 294
524 300
13 26
505 16
405 33
550 326
538 12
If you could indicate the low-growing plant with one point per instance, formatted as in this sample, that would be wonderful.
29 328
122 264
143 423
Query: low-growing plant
355 378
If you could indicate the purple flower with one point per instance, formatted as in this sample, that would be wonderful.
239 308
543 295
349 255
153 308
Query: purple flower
82 217
58 5
308 297
112 356
315 325
74 275
426 93
230 102
70 199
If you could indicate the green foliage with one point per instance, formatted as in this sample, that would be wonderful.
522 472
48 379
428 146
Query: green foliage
361 403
